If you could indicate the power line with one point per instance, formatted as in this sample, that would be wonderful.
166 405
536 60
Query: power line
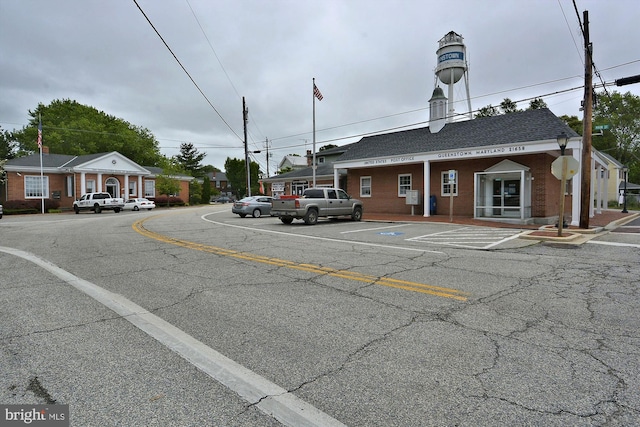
185 70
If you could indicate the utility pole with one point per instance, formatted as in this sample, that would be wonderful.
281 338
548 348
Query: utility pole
266 144
585 185
246 148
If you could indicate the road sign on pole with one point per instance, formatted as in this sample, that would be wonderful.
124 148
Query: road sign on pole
572 167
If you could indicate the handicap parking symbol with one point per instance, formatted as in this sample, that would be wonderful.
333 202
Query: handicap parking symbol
391 233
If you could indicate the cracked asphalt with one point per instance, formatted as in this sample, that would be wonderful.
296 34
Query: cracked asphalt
549 336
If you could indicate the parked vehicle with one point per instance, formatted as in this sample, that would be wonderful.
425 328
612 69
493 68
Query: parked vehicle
253 205
223 199
139 203
98 202
0 211
315 203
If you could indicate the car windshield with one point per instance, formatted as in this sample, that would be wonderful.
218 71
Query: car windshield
248 199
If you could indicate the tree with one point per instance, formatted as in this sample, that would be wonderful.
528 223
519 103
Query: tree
189 158
488 111
72 128
508 106
166 183
537 104
7 145
237 176
327 147
573 122
206 189
622 113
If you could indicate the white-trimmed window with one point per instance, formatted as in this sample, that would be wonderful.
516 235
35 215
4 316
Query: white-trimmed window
91 186
149 188
404 184
446 185
69 188
132 188
365 186
34 188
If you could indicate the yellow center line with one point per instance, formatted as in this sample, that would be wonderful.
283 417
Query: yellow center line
343 274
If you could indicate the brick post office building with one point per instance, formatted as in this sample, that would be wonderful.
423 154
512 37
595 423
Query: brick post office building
501 168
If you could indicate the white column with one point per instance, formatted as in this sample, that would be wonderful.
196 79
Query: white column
336 178
126 186
427 185
140 189
592 190
599 181
99 184
83 183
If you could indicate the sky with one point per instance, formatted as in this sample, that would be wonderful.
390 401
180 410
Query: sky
372 60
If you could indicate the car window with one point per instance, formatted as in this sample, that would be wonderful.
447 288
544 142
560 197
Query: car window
342 194
331 194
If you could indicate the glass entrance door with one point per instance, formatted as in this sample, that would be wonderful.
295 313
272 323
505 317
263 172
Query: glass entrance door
506 197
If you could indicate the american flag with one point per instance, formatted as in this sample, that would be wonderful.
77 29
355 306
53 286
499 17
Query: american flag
317 93
39 134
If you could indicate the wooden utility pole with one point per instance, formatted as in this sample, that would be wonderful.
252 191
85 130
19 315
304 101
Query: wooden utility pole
585 185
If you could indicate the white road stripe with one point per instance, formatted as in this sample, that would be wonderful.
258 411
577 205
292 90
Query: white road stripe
630 245
270 398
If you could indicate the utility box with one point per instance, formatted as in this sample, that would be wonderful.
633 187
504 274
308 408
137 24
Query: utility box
432 205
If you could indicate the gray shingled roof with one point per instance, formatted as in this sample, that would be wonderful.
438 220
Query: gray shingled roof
512 128
324 169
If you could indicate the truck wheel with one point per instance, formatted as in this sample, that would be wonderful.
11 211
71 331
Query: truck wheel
256 213
286 219
357 214
77 209
311 217
97 208
116 210
135 208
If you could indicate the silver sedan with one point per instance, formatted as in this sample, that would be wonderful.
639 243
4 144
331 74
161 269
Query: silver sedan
255 206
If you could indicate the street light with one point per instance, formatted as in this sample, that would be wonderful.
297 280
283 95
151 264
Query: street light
625 170
562 143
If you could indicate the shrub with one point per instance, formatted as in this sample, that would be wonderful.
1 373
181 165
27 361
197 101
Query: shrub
32 206
161 201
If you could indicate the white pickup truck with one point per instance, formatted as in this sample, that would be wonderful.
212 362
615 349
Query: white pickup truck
315 203
98 202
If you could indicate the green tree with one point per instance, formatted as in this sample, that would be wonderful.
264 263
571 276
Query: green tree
622 140
327 147
69 127
508 106
488 111
195 192
206 189
573 122
190 159
537 104
7 145
167 183
237 176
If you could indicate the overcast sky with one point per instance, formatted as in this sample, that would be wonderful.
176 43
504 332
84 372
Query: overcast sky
373 61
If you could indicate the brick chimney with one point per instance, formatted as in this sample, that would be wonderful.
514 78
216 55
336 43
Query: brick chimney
45 149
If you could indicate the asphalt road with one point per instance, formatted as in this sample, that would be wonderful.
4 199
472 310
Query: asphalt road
195 317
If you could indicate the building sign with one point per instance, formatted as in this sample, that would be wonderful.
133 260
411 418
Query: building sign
277 186
498 151
389 161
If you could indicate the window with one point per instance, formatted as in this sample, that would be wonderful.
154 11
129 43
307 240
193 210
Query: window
446 186
404 184
34 187
332 194
149 189
365 186
132 188
91 186
69 186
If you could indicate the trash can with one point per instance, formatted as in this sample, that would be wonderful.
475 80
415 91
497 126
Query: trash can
432 205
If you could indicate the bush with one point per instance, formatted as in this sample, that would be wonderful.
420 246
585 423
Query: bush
161 201
33 206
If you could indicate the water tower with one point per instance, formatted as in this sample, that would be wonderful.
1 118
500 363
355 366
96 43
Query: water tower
452 66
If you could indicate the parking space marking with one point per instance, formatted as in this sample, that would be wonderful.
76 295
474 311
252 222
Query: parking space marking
469 237
373 229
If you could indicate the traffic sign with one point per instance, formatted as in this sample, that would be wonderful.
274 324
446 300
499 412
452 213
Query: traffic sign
572 167
602 127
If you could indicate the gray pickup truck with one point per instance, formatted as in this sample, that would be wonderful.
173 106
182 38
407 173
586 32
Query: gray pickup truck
315 203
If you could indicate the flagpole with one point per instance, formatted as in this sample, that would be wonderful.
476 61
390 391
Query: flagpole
41 171
313 165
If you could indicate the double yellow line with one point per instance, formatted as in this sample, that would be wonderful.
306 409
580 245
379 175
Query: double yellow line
314 269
